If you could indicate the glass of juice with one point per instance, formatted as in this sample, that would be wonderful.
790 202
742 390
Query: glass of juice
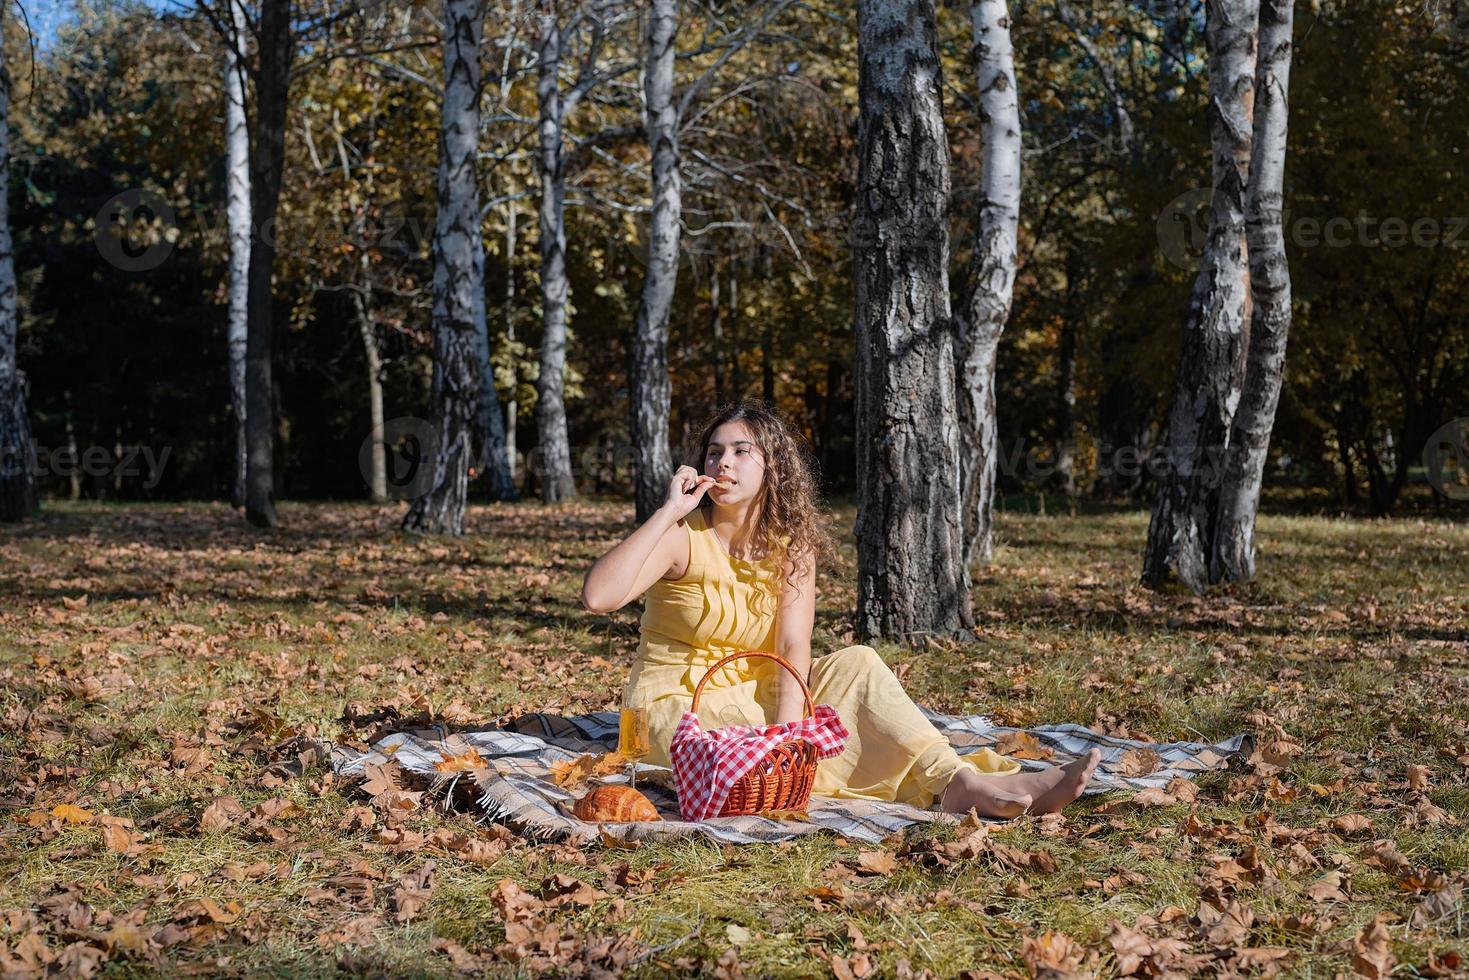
632 733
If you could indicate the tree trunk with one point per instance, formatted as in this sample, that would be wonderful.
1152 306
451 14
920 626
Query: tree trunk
827 437
267 162
650 389
1066 390
237 151
458 378
1180 535
913 584
17 455
512 404
553 445
1270 293
716 331
1349 473
489 429
767 338
75 476
991 273
737 372
361 301
767 363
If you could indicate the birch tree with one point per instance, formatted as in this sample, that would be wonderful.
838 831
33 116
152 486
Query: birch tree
553 442
1207 389
277 47
237 170
489 429
459 298
507 314
1233 556
991 274
912 580
17 482
650 389
279 29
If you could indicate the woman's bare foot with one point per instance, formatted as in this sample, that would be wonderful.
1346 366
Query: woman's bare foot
1055 787
968 790
1046 791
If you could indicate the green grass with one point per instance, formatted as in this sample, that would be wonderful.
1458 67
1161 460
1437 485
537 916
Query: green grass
129 634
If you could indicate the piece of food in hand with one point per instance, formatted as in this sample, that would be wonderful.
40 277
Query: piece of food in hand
614 804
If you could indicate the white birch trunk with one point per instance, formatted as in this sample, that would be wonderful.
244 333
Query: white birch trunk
649 391
991 274
1270 290
494 462
512 404
267 166
237 177
553 443
458 288
1210 368
17 456
913 584
362 302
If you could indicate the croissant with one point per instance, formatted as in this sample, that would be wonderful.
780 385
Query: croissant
614 804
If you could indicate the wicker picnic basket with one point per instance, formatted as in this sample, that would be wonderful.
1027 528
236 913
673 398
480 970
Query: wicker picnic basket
783 779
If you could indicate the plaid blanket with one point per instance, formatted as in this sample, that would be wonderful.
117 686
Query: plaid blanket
516 787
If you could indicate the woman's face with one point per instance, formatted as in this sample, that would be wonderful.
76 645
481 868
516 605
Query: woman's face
733 458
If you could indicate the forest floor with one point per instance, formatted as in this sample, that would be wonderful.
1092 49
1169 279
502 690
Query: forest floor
163 667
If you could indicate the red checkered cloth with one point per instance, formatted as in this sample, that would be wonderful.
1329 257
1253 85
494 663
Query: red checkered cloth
706 765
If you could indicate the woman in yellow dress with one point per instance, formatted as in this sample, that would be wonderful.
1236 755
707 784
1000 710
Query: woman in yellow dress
729 563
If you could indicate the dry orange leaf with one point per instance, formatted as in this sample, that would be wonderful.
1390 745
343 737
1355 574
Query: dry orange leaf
117 835
1372 954
1352 823
1053 954
1139 762
876 862
466 761
1280 752
1022 745
71 813
578 770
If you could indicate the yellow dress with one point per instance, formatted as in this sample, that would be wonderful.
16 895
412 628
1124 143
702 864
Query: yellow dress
723 604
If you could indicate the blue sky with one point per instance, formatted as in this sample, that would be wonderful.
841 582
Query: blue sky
47 16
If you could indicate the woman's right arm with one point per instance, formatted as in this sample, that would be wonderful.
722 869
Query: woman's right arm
631 568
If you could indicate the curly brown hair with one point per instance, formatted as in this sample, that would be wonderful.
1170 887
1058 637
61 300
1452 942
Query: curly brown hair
788 505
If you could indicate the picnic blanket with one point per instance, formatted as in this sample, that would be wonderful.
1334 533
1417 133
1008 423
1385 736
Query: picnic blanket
515 787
